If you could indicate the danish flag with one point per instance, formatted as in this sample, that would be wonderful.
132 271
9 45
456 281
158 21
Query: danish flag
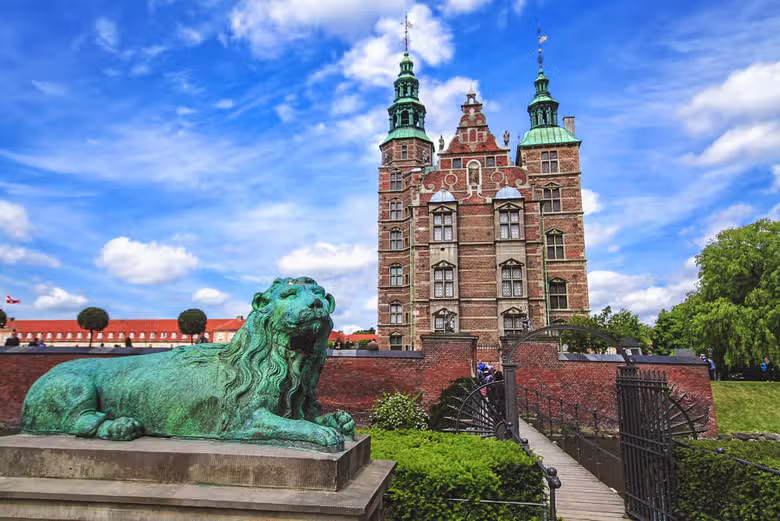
9 300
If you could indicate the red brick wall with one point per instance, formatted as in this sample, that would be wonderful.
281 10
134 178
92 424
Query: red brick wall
592 384
347 382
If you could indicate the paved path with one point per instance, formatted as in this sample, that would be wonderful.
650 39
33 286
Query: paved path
582 497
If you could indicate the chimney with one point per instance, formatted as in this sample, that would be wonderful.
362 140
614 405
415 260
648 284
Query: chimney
568 124
240 317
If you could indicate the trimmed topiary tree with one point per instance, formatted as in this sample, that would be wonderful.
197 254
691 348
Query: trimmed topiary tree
192 322
398 411
92 319
3 318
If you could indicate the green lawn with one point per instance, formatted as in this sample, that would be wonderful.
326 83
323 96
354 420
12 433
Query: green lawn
747 406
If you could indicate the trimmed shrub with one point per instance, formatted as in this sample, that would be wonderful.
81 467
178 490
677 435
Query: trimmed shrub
712 487
434 466
441 410
363 342
398 411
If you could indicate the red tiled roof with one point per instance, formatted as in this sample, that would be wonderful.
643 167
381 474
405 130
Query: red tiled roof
124 326
338 336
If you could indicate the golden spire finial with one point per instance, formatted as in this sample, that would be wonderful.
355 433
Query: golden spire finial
407 25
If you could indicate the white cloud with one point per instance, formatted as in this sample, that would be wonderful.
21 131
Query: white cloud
107 36
269 25
324 258
49 88
224 104
637 293
346 104
189 35
597 234
374 60
590 201
462 6
776 175
731 217
140 69
348 330
752 93
285 112
210 296
14 221
145 263
371 304
57 299
442 100
518 6
756 141
18 255
185 111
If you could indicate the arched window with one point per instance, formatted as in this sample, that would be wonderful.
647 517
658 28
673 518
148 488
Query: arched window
396 239
558 294
59 335
396 210
442 226
152 335
396 313
555 245
110 335
173 335
68 336
405 150
444 280
396 182
511 279
396 275
396 342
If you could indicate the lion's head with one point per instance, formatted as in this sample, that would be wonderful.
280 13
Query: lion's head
278 353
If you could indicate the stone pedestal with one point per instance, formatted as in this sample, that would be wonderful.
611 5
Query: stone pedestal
64 478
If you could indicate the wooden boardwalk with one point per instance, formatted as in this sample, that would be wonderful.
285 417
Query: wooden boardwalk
582 497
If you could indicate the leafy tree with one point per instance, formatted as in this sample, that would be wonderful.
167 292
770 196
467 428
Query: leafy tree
616 325
192 322
3 318
369 331
734 315
93 319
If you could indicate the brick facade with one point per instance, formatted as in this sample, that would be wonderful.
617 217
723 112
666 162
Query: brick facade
448 216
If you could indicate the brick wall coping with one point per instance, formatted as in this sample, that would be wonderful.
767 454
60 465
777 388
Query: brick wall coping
365 353
640 359
68 350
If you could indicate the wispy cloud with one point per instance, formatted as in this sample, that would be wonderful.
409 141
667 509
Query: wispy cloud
49 88
106 34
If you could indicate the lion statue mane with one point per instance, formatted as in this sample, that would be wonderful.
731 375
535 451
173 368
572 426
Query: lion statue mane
259 387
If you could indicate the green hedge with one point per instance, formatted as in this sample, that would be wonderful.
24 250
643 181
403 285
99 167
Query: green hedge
712 487
434 466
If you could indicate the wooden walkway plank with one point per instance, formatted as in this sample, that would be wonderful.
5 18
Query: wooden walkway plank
582 497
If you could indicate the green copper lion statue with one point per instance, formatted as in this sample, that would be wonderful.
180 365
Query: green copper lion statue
259 387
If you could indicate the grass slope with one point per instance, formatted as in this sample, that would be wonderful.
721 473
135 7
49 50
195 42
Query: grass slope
747 406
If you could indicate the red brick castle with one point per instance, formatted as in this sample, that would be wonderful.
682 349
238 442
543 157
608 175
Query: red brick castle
477 242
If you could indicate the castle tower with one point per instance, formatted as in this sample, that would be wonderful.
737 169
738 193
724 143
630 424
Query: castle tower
478 243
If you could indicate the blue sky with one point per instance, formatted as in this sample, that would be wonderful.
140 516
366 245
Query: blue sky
165 154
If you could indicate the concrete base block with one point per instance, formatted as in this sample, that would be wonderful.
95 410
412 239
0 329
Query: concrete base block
61 478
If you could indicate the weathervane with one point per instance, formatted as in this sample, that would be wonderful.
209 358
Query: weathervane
541 39
407 25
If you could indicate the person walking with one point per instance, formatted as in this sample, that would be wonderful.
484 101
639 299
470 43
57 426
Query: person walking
13 340
767 370
34 342
128 342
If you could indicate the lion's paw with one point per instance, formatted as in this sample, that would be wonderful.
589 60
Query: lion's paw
326 436
121 429
339 420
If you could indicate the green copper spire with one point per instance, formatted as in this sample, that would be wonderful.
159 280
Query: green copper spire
407 114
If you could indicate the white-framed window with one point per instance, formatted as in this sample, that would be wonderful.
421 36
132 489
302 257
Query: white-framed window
457 163
550 162
68 336
490 162
396 239
405 148
396 209
110 335
100 336
396 342
396 313
509 223
396 181
555 245
163 335
141 335
79 335
558 294
442 226
30 335
396 275
512 280
444 281
59 335
152 335
551 199
173 335
48 335
132 335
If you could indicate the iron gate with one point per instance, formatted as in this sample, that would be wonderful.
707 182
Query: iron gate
646 430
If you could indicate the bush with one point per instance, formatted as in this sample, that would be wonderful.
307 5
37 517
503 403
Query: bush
441 410
398 411
363 342
433 467
712 487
